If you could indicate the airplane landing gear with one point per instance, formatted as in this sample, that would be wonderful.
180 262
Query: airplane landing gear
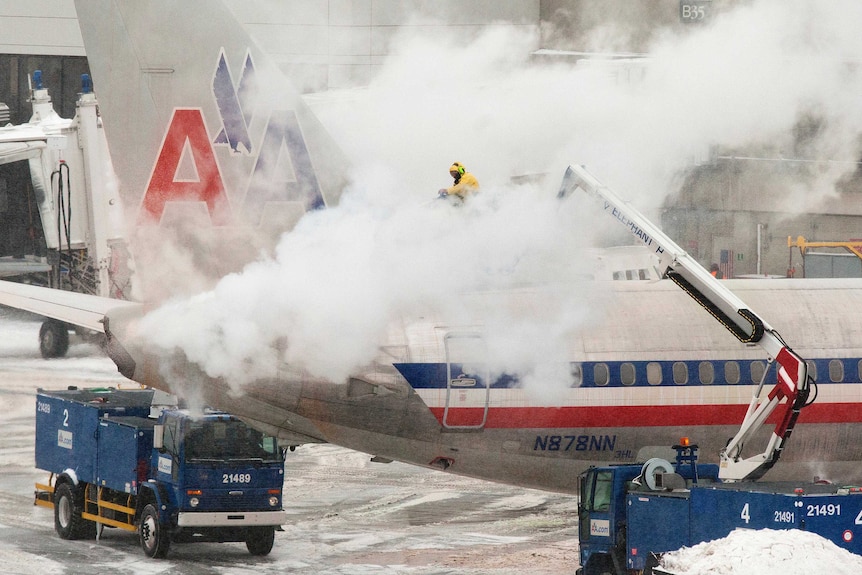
53 339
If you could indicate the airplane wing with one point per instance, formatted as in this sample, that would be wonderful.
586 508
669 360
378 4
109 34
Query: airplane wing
79 309
11 267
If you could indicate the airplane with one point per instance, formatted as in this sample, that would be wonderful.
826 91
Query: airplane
194 140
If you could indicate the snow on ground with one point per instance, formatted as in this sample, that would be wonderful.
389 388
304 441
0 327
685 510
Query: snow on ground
346 515
764 552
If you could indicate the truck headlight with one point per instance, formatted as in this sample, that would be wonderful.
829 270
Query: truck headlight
194 501
273 501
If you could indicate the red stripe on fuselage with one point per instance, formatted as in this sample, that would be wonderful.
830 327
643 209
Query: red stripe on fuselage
635 416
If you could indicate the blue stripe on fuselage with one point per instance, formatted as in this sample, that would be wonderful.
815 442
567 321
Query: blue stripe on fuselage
600 374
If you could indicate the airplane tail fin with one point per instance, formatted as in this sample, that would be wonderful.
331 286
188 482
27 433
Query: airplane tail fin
203 128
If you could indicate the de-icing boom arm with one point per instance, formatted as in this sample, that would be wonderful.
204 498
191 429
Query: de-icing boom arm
732 313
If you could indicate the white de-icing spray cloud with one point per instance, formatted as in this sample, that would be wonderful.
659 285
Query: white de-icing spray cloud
745 79
325 299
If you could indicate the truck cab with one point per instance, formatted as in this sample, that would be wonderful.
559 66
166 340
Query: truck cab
210 459
602 504
221 480
602 517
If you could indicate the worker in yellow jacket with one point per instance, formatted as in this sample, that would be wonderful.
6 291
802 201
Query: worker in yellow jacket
465 182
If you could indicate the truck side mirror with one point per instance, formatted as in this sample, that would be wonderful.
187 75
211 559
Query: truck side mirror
159 437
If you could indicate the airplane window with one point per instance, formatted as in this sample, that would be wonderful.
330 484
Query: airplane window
706 372
601 374
619 276
731 372
653 373
680 373
812 370
757 368
577 374
630 274
642 274
836 370
627 374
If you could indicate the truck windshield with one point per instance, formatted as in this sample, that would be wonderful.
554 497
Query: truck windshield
227 440
604 490
596 490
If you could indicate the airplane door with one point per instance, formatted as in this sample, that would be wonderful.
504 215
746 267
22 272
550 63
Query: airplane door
468 382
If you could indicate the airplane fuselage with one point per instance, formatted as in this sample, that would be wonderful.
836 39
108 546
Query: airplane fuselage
657 370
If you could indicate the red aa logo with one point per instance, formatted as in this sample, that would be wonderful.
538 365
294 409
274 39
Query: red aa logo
186 133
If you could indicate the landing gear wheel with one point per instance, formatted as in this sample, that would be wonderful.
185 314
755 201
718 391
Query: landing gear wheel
154 541
260 540
53 339
67 515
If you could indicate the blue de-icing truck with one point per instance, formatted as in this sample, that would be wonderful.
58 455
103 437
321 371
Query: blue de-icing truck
630 514
178 477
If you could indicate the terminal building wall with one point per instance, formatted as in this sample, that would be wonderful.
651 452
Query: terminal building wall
323 44
723 207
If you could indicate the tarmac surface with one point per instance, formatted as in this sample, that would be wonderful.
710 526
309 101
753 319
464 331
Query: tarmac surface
346 515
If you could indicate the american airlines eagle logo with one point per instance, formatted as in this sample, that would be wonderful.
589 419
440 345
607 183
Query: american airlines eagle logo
281 172
234 105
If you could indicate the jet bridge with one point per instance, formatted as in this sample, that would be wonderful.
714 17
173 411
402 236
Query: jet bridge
674 263
63 168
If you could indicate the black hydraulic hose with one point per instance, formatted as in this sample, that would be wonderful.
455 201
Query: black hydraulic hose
754 335
31 227
812 385
64 212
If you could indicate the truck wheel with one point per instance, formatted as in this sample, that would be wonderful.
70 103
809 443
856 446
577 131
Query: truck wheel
67 515
53 339
599 564
260 540
154 541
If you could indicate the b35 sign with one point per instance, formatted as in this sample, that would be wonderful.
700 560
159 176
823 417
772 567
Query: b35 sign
693 11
